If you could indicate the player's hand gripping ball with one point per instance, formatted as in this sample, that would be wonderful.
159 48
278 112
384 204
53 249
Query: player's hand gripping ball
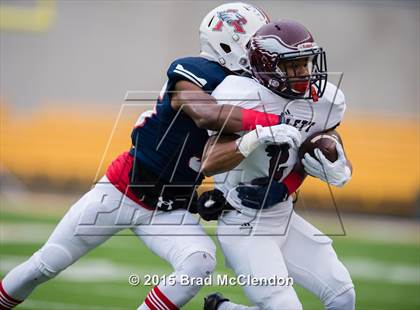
325 142
323 157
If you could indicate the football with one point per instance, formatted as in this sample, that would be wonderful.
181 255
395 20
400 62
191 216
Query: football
325 141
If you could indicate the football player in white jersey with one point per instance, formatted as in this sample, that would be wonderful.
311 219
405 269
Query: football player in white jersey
113 204
262 237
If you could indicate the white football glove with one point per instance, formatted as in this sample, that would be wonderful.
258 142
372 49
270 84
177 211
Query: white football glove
278 134
336 173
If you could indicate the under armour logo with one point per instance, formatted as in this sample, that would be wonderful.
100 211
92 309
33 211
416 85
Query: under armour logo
163 204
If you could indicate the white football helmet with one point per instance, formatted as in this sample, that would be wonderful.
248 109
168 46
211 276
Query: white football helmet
226 31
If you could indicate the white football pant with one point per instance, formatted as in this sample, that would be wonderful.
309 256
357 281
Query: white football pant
175 236
281 243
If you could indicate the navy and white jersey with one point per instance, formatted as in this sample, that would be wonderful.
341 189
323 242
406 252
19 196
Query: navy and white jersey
167 142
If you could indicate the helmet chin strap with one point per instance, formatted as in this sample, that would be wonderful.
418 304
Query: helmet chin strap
244 64
314 94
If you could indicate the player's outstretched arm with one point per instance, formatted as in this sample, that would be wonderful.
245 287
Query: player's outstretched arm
207 114
221 154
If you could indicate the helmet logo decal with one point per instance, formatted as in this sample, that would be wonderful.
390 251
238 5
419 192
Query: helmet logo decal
268 45
232 18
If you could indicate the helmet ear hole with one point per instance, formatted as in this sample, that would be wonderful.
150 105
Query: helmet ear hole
225 48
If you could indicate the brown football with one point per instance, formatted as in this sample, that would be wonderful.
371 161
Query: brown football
324 141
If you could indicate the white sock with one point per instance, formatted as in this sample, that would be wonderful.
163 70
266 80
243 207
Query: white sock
156 299
174 295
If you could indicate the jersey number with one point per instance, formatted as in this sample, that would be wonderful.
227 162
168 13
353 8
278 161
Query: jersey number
279 154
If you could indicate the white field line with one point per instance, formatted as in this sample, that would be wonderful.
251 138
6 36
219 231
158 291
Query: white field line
366 228
89 270
366 269
35 233
97 270
25 233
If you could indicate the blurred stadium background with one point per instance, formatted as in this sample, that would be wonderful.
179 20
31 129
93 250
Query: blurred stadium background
65 67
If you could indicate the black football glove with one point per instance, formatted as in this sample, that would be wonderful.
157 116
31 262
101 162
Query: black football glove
211 204
252 196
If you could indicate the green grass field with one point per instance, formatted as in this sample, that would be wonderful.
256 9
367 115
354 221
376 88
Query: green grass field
386 275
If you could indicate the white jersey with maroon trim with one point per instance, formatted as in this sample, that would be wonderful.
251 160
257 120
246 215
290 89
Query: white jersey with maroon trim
306 115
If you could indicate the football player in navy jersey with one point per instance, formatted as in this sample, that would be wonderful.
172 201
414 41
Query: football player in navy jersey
152 187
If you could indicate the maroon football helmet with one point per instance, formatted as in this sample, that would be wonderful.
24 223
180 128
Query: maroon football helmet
284 58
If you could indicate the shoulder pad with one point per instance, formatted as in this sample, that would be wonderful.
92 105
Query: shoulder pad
335 97
238 90
187 69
